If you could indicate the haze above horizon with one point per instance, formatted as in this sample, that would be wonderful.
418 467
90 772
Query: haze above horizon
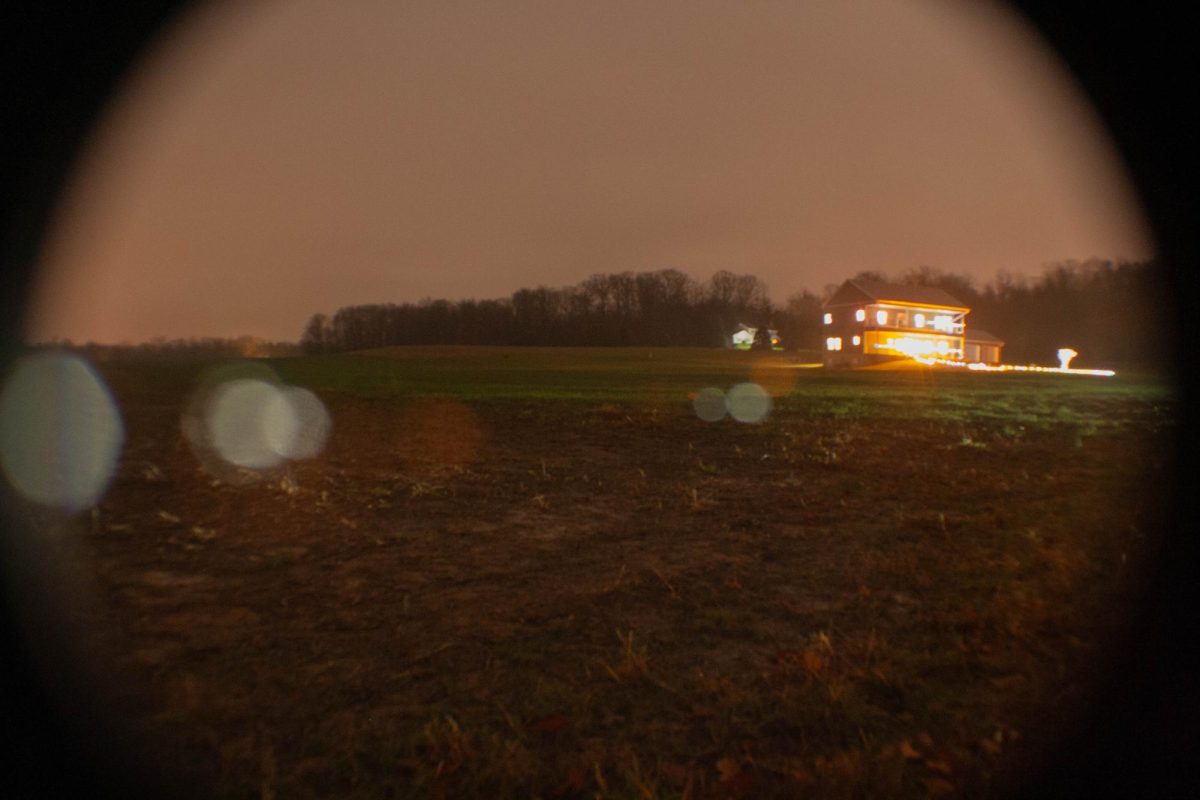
267 161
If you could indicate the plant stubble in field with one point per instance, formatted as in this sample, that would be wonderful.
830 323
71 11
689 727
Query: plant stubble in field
893 586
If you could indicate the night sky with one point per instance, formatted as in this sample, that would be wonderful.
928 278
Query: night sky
269 160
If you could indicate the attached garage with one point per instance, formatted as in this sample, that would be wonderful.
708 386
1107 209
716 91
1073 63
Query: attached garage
979 345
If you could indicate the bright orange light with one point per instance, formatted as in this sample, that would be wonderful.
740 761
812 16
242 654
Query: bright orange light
773 377
435 434
912 346
979 366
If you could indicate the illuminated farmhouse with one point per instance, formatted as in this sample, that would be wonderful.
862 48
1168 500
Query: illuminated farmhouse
867 322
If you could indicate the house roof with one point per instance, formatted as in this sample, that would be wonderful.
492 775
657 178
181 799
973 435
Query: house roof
981 336
857 291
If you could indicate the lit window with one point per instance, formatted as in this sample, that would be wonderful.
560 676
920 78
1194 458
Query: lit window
881 317
833 343
919 320
860 315
942 346
828 318
857 340
942 322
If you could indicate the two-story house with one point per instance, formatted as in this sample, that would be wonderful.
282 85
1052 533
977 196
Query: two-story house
869 321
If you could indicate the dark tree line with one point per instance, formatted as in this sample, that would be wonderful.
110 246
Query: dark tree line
1112 313
666 307
1109 311
207 348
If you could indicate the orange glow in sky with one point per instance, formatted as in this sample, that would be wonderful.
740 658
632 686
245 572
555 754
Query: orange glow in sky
270 160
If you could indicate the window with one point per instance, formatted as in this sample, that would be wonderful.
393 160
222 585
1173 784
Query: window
833 343
919 320
860 315
881 317
828 318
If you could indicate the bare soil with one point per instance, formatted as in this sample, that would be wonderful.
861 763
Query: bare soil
569 600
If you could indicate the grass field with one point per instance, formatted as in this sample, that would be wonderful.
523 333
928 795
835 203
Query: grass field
536 573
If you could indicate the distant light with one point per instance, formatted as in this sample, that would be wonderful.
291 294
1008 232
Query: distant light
828 318
60 431
919 320
833 343
709 404
1065 355
748 402
881 317
860 315
857 340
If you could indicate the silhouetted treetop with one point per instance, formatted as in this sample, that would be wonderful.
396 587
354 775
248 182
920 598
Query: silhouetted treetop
1104 309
